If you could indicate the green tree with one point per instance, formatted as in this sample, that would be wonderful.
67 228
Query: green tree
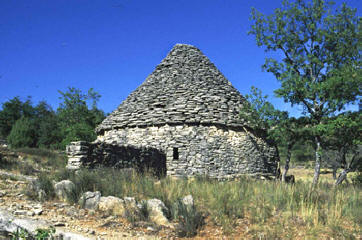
78 115
48 131
13 110
23 133
277 125
287 132
320 61
342 138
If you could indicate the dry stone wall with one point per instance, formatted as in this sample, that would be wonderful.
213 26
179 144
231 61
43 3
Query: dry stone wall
189 150
85 154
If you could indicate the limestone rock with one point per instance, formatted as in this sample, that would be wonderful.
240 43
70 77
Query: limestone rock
188 200
156 212
63 189
112 206
10 224
90 200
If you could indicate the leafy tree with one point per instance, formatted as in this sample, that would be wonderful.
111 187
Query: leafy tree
277 125
259 112
342 137
288 132
320 65
39 126
13 110
48 134
78 115
23 133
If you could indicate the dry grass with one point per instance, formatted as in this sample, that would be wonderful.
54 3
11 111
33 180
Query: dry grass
242 209
256 209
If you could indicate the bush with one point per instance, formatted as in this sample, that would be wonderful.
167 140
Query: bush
26 169
44 234
357 179
190 220
40 189
22 134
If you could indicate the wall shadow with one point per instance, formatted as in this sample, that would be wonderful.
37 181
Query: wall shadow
141 159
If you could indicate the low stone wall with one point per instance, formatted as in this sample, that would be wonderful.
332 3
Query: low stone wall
85 154
78 154
188 151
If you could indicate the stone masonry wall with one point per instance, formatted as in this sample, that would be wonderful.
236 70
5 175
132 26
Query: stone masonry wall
201 150
85 154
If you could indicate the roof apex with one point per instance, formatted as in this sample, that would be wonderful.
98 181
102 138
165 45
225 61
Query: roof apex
185 88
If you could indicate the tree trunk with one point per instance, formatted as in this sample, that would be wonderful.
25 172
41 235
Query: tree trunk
342 176
334 172
287 160
318 160
351 167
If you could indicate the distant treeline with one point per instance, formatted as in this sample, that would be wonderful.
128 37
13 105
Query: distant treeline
24 124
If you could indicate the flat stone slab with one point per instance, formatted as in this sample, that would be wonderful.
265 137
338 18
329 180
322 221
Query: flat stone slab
10 224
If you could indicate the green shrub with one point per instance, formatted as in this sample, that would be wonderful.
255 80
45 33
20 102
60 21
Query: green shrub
45 234
189 219
45 183
357 179
19 234
26 168
23 133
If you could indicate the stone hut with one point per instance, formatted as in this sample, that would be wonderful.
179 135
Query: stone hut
183 119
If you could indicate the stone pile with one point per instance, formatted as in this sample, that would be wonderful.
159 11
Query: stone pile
77 154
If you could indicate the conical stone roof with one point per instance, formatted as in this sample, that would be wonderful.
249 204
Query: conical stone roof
185 88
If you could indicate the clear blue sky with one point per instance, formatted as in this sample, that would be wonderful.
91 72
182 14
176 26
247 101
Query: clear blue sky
112 46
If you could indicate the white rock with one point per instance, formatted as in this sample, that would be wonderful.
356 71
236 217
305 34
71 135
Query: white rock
90 200
156 209
38 211
112 205
63 188
188 200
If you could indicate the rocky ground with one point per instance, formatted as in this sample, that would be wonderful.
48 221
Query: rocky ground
109 222
71 218
79 223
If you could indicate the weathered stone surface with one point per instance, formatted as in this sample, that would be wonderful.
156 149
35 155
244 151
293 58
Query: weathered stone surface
90 200
184 119
156 212
112 206
188 200
184 88
10 224
63 188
